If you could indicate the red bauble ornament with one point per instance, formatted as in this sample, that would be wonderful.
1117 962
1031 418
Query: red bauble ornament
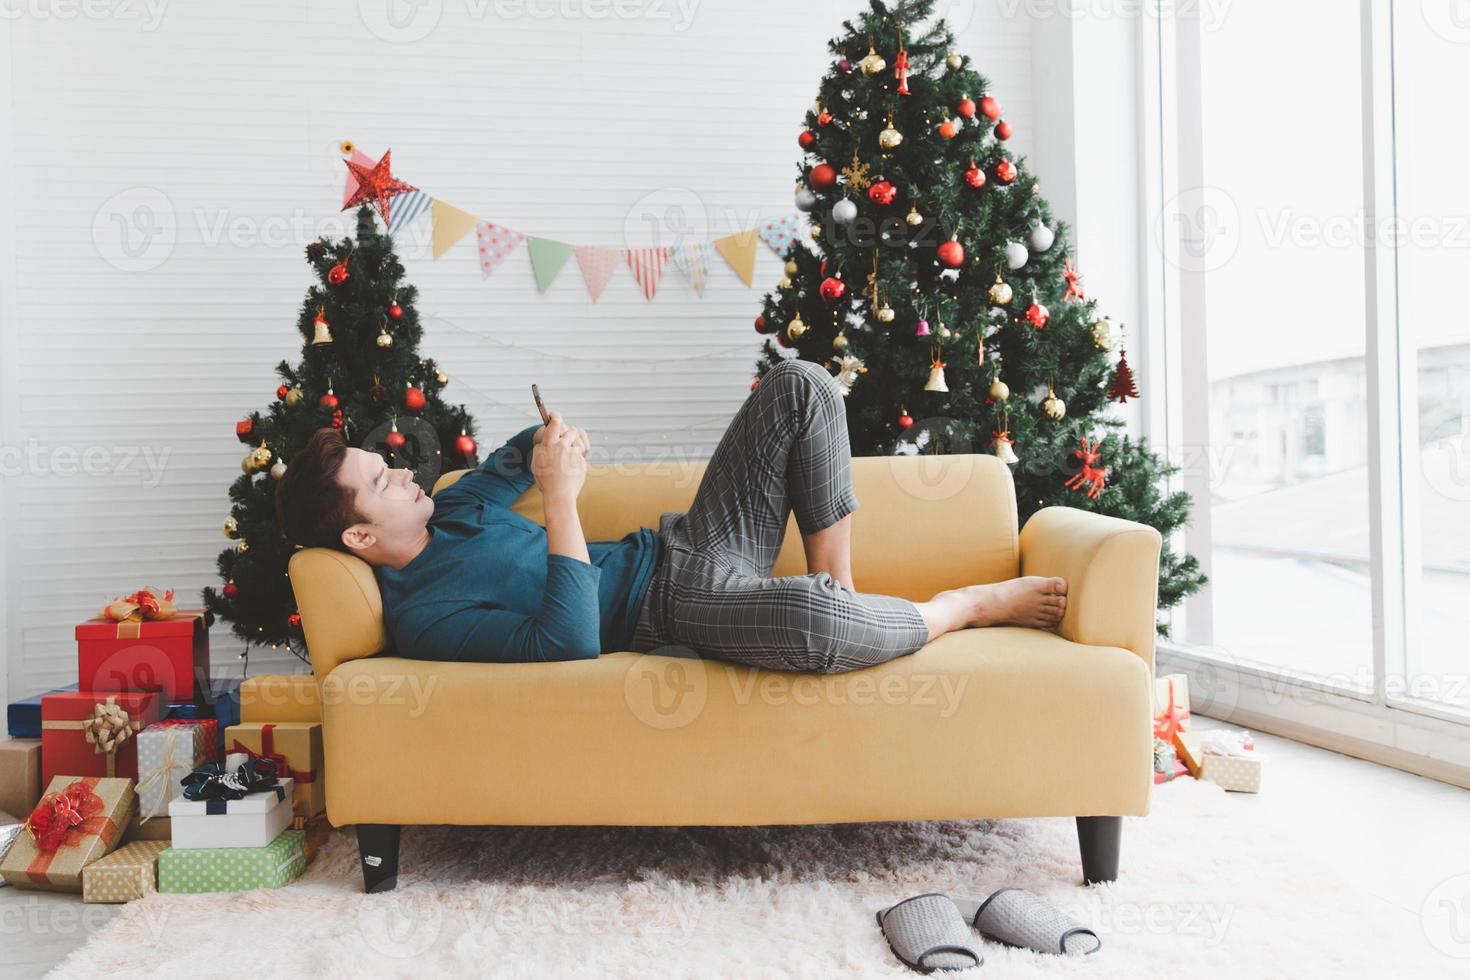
337 274
1037 315
395 439
990 108
905 420
822 177
244 429
1005 171
413 399
966 108
782 339
395 311
754 383
1002 130
282 391
760 324
974 176
230 590
948 130
806 139
294 621
832 289
882 193
951 254
328 400
464 444
824 118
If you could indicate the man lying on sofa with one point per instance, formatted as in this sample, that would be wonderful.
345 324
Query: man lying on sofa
463 577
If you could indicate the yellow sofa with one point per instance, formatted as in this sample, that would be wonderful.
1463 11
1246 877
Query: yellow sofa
1000 722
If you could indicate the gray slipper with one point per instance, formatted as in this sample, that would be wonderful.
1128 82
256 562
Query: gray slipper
1016 917
927 933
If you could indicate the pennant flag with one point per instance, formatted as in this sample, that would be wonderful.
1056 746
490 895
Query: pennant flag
406 207
780 233
547 258
693 262
739 251
496 242
648 267
362 160
597 267
450 225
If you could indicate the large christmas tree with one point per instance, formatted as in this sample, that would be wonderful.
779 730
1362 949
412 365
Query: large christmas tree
360 372
940 289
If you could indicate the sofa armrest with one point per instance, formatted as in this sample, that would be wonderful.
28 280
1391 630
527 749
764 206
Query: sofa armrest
340 605
1112 572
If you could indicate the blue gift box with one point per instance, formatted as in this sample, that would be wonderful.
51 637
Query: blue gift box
23 718
223 704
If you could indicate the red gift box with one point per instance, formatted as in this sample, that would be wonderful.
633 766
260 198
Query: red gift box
169 655
68 716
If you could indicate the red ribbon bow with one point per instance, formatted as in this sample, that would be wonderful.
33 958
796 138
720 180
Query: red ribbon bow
66 819
1171 722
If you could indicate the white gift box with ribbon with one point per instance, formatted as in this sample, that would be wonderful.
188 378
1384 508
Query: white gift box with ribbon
166 754
254 820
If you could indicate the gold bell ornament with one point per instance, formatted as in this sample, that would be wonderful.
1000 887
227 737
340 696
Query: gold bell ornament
872 62
796 327
323 331
890 138
936 375
1054 407
1001 293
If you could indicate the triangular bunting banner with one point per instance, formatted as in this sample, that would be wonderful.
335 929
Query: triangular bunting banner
648 268
597 267
450 225
778 234
362 160
496 242
547 258
739 251
406 207
693 262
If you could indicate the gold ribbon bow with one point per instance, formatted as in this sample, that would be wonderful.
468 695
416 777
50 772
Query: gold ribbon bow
146 603
105 729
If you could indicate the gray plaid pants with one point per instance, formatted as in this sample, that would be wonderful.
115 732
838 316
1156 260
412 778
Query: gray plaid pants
785 450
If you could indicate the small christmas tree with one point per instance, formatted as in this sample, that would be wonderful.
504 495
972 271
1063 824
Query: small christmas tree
938 286
361 373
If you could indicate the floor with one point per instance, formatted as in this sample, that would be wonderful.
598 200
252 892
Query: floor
1399 837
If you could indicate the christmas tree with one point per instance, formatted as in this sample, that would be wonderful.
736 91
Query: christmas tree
941 291
361 373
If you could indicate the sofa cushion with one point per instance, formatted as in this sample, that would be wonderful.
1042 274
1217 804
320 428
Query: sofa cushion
982 722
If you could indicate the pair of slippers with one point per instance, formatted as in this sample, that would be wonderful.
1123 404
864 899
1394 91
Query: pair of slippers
930 932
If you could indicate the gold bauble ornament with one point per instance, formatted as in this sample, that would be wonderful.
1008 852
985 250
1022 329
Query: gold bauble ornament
839 342
385 339
1054 407
441 379
294 395
796 327
890 138
791 268
242 546
784 282
999 390
231 527
955 61
260 457
885 314
816 231
872 62
1000 293
915 219
1106 334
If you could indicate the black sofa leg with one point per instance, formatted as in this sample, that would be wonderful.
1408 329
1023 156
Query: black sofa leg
1099 839
377 850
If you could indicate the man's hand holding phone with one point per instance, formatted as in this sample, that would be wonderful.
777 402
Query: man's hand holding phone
559 461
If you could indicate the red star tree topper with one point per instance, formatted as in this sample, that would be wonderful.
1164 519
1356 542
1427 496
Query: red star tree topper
376 185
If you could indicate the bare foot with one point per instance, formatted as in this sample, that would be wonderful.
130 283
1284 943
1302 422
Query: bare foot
1034 601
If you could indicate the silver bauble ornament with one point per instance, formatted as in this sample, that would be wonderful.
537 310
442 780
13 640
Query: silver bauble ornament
1042 237
844 211
278 470
805 199
1016 255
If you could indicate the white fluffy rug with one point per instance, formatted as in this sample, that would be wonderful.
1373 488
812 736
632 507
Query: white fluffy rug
1205 891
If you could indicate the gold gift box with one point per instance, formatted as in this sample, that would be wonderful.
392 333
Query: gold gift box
103 807
127 873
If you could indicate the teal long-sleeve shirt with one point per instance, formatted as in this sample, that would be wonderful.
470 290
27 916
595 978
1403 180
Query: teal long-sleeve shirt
486 589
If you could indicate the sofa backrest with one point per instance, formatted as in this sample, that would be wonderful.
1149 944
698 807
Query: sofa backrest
923 523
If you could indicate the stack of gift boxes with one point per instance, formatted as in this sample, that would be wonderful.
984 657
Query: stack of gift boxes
1226 758
95 780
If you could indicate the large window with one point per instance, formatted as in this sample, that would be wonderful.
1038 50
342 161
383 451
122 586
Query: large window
1314 317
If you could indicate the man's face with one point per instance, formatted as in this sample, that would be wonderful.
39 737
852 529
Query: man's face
395 507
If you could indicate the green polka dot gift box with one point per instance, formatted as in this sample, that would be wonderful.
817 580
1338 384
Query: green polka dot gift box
232 869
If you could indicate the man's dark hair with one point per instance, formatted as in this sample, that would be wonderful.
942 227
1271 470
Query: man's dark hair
312 507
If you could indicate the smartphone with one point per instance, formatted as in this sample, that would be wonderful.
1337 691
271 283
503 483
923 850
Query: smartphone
540 405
